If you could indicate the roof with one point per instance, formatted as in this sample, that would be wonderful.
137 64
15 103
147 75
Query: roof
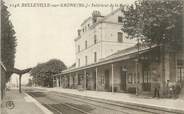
112 13
86 20
125 54
121 52
126 51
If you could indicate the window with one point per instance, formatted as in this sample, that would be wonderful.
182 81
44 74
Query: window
120 19
78 48
86 44
130 78
120 37
95 40
180 74
86 60
79 79
73 80
138 78
146 77
78 62
95 57
103 79
134 78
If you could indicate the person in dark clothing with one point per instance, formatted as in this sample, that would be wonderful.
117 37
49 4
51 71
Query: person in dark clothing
156 90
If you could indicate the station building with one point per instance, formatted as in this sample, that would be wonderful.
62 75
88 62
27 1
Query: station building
107 61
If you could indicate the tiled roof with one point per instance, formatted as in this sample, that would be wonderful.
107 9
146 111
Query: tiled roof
133 49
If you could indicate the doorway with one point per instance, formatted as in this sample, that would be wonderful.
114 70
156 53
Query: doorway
146 81
87 81
107 81
123 76
94 80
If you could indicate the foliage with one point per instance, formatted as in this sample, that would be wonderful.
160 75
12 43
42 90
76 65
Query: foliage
154 22
8 40
42 73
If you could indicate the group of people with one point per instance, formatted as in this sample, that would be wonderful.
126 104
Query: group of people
172 89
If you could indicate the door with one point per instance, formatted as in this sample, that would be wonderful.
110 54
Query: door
123 79
68 82
94 80
87 81
107 80
146 81
73 80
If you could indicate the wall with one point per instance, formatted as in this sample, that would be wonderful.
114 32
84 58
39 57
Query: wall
91 47
107 39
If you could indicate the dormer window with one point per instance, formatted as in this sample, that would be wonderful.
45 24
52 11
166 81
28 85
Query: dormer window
120 19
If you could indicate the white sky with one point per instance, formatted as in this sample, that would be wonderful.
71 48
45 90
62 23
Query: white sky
47 33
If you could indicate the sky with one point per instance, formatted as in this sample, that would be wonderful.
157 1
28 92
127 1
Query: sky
45 33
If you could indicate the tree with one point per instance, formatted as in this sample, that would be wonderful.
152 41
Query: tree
8 40
42 73
154 22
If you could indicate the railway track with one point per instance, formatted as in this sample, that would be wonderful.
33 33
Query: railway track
117 108
93 104
57 108
142 109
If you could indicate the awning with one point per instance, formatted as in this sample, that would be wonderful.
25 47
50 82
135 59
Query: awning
121 57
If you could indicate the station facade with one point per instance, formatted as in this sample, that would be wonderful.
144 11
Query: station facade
107 61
